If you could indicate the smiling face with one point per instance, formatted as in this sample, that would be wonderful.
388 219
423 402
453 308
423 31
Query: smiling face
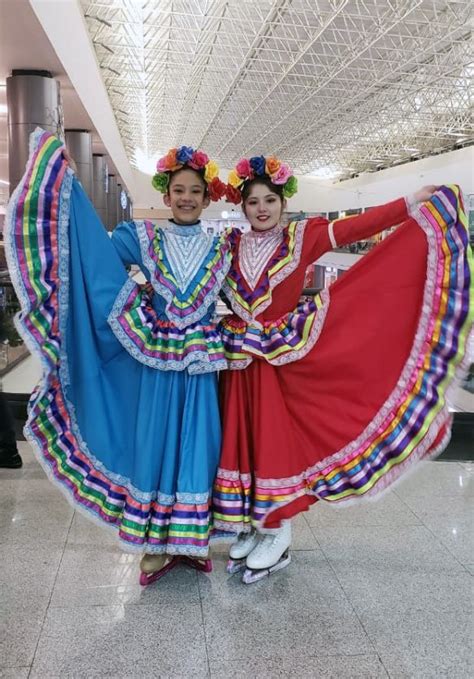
263 206
186 196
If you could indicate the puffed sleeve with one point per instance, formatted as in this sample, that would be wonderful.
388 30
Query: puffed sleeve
125 240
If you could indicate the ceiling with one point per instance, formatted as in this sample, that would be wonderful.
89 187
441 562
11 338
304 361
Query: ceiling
336 87
24 45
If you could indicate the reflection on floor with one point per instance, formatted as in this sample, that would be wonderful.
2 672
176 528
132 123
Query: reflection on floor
379 590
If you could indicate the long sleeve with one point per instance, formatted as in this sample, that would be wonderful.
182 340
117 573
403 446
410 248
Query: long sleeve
350 229
125 240
322 235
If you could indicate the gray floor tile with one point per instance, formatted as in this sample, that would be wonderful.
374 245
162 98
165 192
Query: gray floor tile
427 663
398 549
22 522
20 628
83 531
420 622
28 571
14 672
104 575
387 510
122 641
451 519
301 609
438 479
321 667
302 536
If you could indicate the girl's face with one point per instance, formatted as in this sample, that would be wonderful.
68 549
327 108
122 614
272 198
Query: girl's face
263 208
186 197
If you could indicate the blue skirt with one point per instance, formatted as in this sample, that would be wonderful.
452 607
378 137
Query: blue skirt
135 447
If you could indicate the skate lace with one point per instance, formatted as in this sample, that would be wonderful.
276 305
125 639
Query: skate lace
243 537
264 544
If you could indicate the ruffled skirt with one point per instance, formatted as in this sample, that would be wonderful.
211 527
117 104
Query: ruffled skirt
136 448
369 398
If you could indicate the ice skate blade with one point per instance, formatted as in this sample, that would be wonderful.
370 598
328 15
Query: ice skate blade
148 578
204 565
251 576
235 566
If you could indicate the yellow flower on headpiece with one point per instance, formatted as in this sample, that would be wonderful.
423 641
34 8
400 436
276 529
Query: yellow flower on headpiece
211 171
234 179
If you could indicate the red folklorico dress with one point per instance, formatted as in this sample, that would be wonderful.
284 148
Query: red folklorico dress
334 398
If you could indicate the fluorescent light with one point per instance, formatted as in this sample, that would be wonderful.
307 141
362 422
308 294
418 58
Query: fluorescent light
144 163
325 173
3 181
3 109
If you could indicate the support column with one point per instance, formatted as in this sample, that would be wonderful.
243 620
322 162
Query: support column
79 145
33 99
99 186
112 214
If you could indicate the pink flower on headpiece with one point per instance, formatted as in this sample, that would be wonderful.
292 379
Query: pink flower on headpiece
243 168
199 160
161 165
283 174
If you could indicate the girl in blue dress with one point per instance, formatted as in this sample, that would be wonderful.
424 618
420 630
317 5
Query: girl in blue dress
125 420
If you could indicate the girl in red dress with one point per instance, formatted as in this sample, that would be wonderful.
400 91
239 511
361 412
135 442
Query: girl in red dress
333 398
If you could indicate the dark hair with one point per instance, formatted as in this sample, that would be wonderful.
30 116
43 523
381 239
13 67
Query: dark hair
265 181
200 174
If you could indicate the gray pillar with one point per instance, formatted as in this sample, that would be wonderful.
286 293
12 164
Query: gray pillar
112 203
79 145
33 99
99 186
319 276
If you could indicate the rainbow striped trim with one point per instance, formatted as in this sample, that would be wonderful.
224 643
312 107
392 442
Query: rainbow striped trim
278 342
160 344
184 308
414 423
37 247
248 303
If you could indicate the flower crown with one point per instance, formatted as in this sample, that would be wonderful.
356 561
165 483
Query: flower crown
247 169
185 156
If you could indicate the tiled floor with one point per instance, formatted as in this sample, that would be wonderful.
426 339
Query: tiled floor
378 590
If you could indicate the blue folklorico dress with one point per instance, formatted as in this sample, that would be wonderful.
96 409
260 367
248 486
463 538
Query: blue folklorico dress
125 420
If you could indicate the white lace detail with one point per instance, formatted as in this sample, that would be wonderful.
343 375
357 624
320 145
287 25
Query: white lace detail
233 475
196 362
411 203
186 254
168 294
255 250
273 282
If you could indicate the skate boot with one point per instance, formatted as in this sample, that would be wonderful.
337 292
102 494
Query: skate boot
240 550
155 566
270 555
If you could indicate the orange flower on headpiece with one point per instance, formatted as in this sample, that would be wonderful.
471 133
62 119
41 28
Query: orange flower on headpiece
171 162
272 165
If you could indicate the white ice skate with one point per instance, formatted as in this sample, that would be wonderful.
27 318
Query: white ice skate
240 550
270 555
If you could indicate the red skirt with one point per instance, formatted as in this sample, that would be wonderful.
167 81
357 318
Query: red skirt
369 399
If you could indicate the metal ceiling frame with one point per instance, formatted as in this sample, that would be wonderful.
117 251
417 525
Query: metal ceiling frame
333 86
